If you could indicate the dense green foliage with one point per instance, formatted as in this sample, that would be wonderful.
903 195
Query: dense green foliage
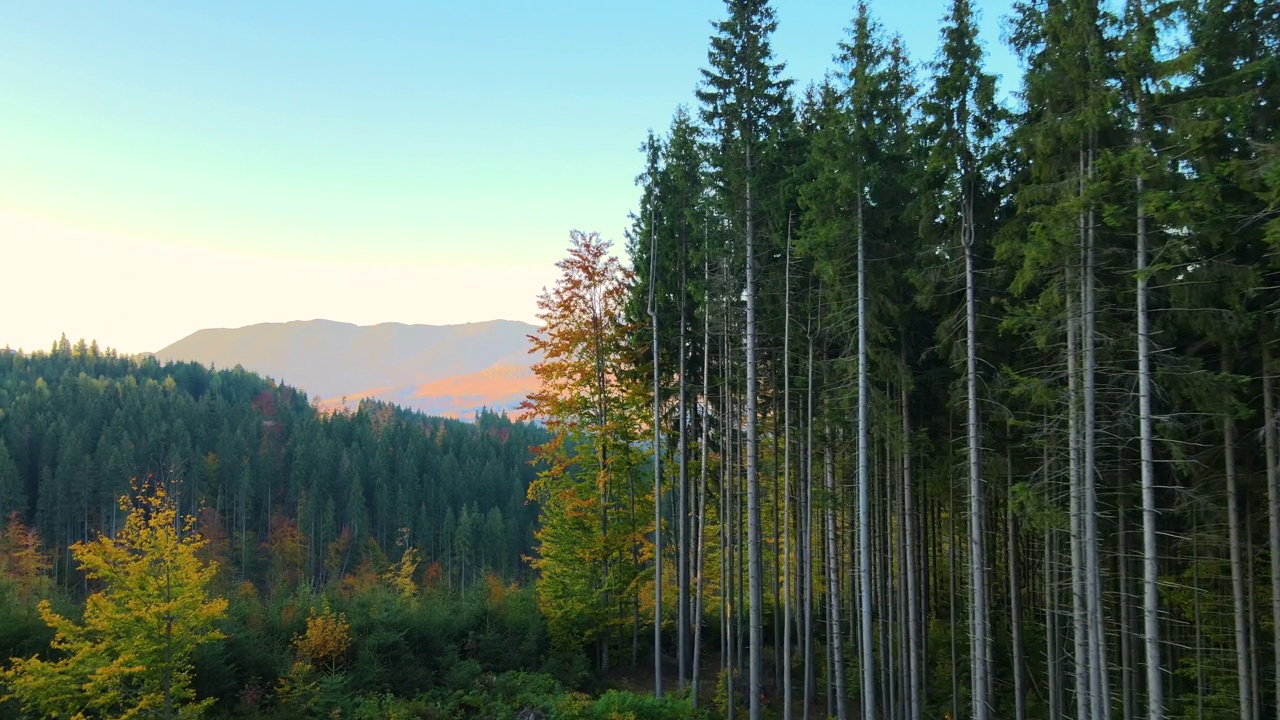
296 495
985 391
413 528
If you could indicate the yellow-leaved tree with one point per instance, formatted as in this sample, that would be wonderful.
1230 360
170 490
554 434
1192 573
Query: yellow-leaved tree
130 655
591 544
23 565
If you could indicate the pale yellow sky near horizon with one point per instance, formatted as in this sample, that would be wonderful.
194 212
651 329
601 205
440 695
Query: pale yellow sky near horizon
138 296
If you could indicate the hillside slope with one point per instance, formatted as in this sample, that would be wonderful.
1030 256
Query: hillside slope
75 428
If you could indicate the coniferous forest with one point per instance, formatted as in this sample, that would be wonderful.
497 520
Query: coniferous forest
964 407
358 556
900 399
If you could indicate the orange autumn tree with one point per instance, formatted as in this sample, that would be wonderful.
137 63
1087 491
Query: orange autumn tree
590 546
130 655
22 561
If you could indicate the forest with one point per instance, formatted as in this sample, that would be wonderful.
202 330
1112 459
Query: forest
323 564
963 406
901 399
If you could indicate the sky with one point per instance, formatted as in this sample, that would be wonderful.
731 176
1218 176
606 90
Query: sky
166 167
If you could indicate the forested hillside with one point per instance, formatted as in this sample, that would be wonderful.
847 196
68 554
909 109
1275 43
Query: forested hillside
258 466
180 542
965 409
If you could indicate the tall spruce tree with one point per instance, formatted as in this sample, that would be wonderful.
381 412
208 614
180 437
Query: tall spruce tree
741 94
1142 83
961 119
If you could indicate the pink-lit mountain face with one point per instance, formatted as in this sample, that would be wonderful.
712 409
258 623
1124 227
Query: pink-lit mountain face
450 370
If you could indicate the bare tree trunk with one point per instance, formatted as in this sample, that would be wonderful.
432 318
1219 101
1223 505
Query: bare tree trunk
754 568
1150 576
740 537
702 490
1126 666
885 587
807 544
913 603
776 606
1237 563
977 555
726 525
833 600
864 481
682 509
1051 624
657 469
1015 605
829 689
1252 597
951 578
727 598
1078 622
906 613
1273 501
786 486
1099 693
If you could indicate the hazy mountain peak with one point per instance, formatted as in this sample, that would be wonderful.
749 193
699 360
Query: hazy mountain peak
440 369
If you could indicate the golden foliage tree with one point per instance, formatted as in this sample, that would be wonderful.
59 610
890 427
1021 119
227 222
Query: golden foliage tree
130 655
326 640
22 561
589 545
401 574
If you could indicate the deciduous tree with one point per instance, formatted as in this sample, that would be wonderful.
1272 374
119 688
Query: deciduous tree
586 545
130 655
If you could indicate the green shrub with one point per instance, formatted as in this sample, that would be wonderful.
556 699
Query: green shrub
389 707
620 705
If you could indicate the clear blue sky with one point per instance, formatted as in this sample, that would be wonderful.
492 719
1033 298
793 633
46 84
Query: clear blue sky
398 161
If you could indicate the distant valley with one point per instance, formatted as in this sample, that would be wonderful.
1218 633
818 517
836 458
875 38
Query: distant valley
448 370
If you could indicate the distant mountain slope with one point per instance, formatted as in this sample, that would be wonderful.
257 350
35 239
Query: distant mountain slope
440 369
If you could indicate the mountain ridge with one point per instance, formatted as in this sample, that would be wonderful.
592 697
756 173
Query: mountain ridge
450 370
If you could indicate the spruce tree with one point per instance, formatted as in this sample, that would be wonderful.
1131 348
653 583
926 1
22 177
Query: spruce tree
961 119
741 94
